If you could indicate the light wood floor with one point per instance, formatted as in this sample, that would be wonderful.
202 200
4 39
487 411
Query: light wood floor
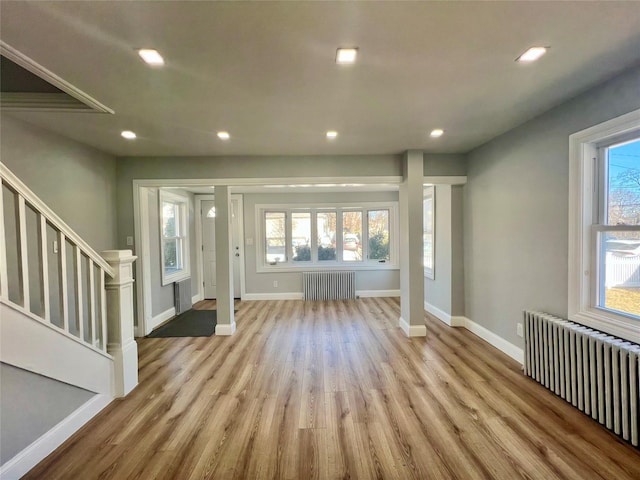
315 390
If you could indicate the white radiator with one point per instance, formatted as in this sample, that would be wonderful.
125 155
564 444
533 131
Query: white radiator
182 296
328 285
597 373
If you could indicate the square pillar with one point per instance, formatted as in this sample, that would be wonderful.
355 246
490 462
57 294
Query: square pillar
224 267
411 247
119 305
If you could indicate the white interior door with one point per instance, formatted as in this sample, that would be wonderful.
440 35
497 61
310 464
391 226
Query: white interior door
236 252
209 248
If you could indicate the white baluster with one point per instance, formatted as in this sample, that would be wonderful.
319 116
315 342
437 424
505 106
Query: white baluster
77 264
44 268
92 303
4 277
103 311
24 257
64 287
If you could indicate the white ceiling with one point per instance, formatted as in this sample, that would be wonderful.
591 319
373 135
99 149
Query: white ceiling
265 71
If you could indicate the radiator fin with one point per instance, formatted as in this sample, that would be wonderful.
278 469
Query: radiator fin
328 285
597 373
182 296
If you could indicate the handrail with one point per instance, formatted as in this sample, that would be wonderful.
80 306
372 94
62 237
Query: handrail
32 199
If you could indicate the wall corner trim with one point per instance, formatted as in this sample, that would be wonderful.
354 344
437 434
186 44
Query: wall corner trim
225 329
47 443
441 315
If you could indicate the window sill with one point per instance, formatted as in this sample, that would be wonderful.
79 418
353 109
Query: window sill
610 323
175 277
319 268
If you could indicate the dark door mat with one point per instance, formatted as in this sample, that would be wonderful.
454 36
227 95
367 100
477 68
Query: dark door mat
192 323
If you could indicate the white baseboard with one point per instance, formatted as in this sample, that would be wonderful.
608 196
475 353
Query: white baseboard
377 293
412 330
162 317
441 315
500 343
196 298
47 443
225 329
273 296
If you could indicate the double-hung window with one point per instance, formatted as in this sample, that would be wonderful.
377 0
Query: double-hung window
355 235
604 248
174 239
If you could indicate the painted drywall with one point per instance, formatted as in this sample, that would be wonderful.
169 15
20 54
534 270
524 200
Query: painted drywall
77 182
457 250
437 291
516 210
291 282
30 405
444 164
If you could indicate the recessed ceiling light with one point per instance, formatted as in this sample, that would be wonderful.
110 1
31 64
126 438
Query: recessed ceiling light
152 57
346 55
436 133
531 55
331 134
128 134
224 135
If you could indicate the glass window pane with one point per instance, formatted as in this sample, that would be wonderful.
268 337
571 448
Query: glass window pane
378 227
619 278
326 224
301 236
427 231
172 255
169 219
352 236
275 237
623 184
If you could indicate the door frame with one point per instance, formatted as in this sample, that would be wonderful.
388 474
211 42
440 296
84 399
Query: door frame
198 212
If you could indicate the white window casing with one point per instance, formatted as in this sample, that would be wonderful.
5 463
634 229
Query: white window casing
585 226
181 268
287 262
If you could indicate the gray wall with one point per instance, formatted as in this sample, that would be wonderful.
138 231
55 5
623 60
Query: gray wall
444 164
289 282
77 182
516 210
30 405
446 290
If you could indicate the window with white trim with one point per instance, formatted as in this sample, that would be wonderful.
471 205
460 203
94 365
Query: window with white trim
604 248
174 237
428 231
353 236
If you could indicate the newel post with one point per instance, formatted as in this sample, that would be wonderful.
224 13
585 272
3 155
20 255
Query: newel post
121 344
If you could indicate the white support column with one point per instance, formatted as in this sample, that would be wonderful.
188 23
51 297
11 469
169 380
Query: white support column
411 248
121 343
224 267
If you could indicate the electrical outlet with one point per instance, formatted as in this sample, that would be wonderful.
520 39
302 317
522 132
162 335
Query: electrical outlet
519 330
275 283
129 241
55 246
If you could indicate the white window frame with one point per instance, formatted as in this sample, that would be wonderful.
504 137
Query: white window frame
182 204
429 192
584 225
291 266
